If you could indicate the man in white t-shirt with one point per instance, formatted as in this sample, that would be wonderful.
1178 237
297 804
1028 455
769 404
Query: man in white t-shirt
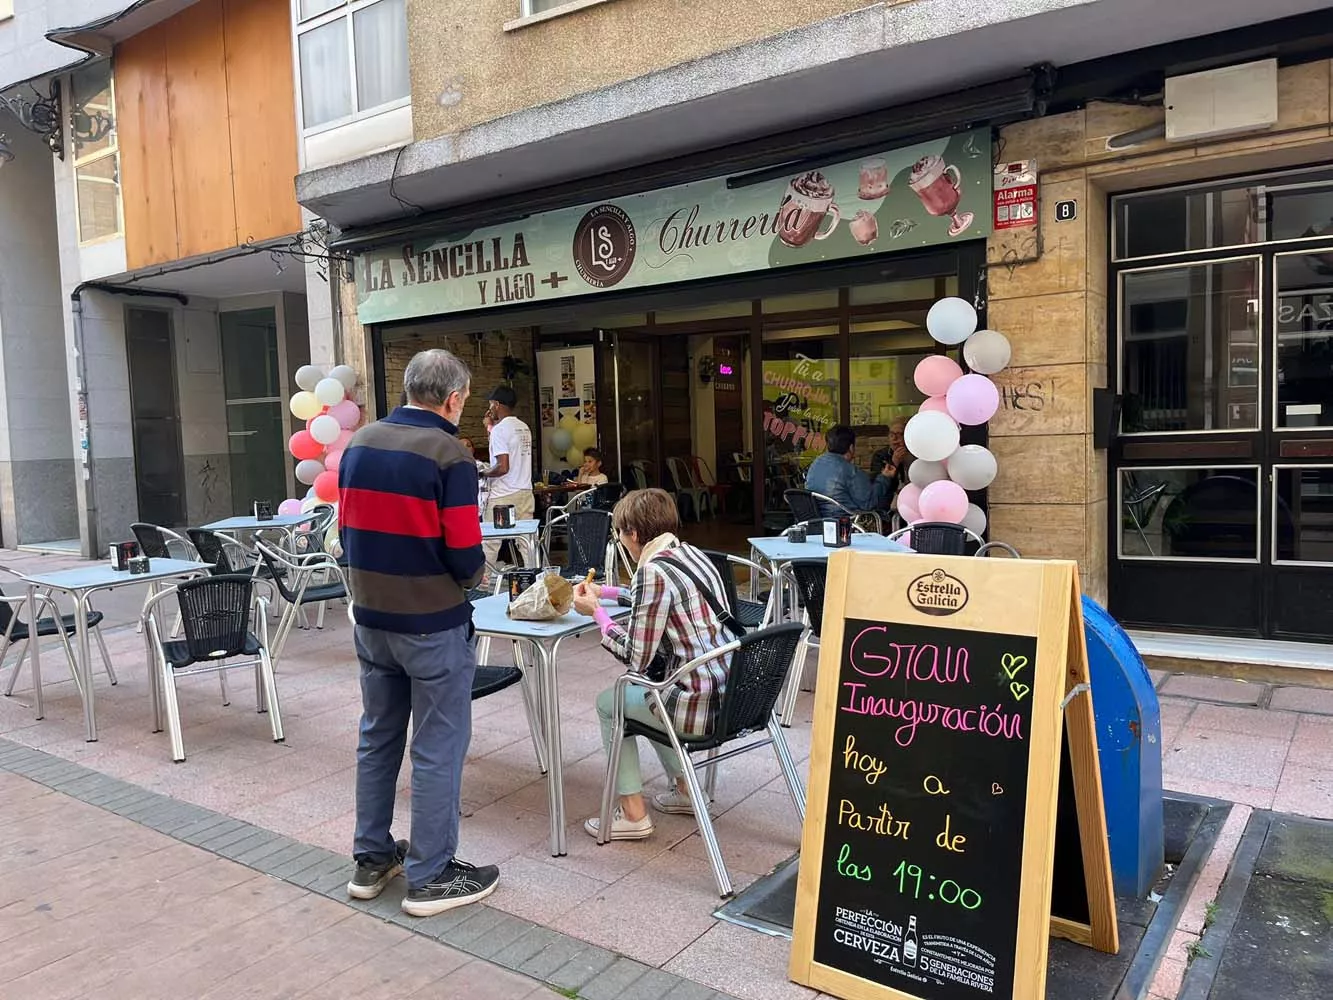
510 476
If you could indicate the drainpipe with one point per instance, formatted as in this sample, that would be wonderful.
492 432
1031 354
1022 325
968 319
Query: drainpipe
92 548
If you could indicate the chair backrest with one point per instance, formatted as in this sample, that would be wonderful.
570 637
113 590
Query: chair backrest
727 571
758 672
803 505
152 542
6 613
637 474
215 615
809 575
278 574
325 513
607 495
213 550
680 474
589 534
939 538
703 475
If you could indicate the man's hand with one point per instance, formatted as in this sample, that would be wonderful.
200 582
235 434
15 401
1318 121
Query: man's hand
587 598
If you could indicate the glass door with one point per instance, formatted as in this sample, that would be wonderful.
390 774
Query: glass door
632 436
159 466
256 416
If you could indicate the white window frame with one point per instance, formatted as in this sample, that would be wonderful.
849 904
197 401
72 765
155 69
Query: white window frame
112 149
345 9
527 16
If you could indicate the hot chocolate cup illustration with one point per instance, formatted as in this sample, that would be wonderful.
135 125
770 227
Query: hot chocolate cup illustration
808 201
864 228
874 180
940 188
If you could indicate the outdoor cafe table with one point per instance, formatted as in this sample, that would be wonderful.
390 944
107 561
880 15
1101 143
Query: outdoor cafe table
248 522
523 533
81 584
489 617
777 550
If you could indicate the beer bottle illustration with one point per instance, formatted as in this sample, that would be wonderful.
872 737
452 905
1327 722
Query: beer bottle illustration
909 943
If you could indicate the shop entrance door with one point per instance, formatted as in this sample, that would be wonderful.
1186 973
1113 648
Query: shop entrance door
630 380
1225 478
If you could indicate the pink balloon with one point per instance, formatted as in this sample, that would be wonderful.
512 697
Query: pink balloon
344 439
909 502
935 373
937 404
288 507
347 413
944 501
326 487
973 399
332 460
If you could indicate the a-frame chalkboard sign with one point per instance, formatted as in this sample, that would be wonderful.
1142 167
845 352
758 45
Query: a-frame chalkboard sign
930 859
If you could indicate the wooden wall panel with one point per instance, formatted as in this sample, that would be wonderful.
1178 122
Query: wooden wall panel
200 138
147 188
262 112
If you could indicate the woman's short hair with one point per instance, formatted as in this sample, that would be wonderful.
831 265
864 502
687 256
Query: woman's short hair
647 513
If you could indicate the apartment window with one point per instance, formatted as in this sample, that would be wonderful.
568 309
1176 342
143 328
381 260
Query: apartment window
530 7
96 156
353 59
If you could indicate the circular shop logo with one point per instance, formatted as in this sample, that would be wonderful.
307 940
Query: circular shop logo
604 244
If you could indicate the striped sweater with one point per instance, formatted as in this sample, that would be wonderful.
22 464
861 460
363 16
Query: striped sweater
407 511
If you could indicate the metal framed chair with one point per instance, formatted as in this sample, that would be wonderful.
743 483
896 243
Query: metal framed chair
689 495
157 542
807 578
806 506
750 613
295 578
54 623
491 679
760 663
589 544
939 538
1140 502
557 515
224 554
215 613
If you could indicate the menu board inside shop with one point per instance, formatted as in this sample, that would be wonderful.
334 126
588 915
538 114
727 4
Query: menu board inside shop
930 831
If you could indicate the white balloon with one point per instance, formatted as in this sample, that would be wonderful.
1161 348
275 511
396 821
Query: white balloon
924 473
975 519
307 377
308 471
330 391
987 352
931 435
972 467
325 429
345 374
951 320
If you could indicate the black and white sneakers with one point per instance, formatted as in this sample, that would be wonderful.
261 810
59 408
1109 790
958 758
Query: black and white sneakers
372 876
458 885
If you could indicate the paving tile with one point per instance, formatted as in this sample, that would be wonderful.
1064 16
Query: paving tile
613 982
482 981
1234 692
652 985
1222 756
582 968
1306 791
739 962
1312 746
1251 795
525 947
1245 720
756 835
481 924
1314 701
542 890
411 965
554 956
499 937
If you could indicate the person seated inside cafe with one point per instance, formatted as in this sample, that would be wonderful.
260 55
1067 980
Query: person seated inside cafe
835 475
670 623
590 472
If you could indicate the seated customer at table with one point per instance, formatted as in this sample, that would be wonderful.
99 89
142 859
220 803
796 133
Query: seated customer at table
835 475
590 472
669 617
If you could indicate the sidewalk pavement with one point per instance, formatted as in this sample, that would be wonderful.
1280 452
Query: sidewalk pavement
95 905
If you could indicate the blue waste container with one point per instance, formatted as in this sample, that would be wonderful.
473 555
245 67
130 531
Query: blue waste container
1129 745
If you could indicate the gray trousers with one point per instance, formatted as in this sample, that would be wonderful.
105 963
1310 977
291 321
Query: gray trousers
429 679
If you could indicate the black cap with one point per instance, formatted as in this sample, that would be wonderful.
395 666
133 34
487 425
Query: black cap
504 395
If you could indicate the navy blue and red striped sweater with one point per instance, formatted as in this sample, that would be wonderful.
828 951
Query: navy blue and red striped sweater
407 518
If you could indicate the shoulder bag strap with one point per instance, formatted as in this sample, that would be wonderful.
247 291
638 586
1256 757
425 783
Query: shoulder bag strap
725 617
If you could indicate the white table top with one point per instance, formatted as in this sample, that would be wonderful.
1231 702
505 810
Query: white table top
490 617
530 526
250 522
105 575
779 550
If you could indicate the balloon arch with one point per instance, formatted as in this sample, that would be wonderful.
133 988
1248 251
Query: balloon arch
325 403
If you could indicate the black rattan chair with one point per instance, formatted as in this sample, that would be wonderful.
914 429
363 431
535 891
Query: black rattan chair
221 553
215 616
589 537
751 614
760 663
294 578
808 577
54 624
808 507
939 538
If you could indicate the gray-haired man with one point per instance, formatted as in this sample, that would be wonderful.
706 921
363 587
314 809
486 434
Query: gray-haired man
410 530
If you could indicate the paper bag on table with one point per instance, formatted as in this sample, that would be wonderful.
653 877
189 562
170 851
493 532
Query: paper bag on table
550 597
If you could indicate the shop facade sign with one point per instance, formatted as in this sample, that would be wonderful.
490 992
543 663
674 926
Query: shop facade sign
923 195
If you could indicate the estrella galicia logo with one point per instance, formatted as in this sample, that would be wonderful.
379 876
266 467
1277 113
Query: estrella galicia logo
937 593
604 245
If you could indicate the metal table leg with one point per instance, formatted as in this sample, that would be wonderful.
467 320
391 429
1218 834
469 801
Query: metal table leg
555 775
83 666
35 646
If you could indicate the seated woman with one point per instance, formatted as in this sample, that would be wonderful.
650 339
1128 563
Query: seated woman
671 618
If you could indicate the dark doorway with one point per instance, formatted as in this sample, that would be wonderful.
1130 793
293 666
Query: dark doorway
159 468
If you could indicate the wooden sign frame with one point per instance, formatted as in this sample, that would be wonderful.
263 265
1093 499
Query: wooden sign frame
1039 599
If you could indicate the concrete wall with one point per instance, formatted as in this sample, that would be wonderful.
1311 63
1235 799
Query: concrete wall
37 485
469 69
1049 294
201 397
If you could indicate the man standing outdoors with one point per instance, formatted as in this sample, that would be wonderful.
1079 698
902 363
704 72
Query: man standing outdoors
511 462
408 514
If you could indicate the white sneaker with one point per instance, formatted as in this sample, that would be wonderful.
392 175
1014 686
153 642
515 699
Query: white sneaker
622 828
673 801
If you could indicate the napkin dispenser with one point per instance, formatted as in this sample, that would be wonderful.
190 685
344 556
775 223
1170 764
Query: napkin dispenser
122 553
506 516
837 532
263 510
